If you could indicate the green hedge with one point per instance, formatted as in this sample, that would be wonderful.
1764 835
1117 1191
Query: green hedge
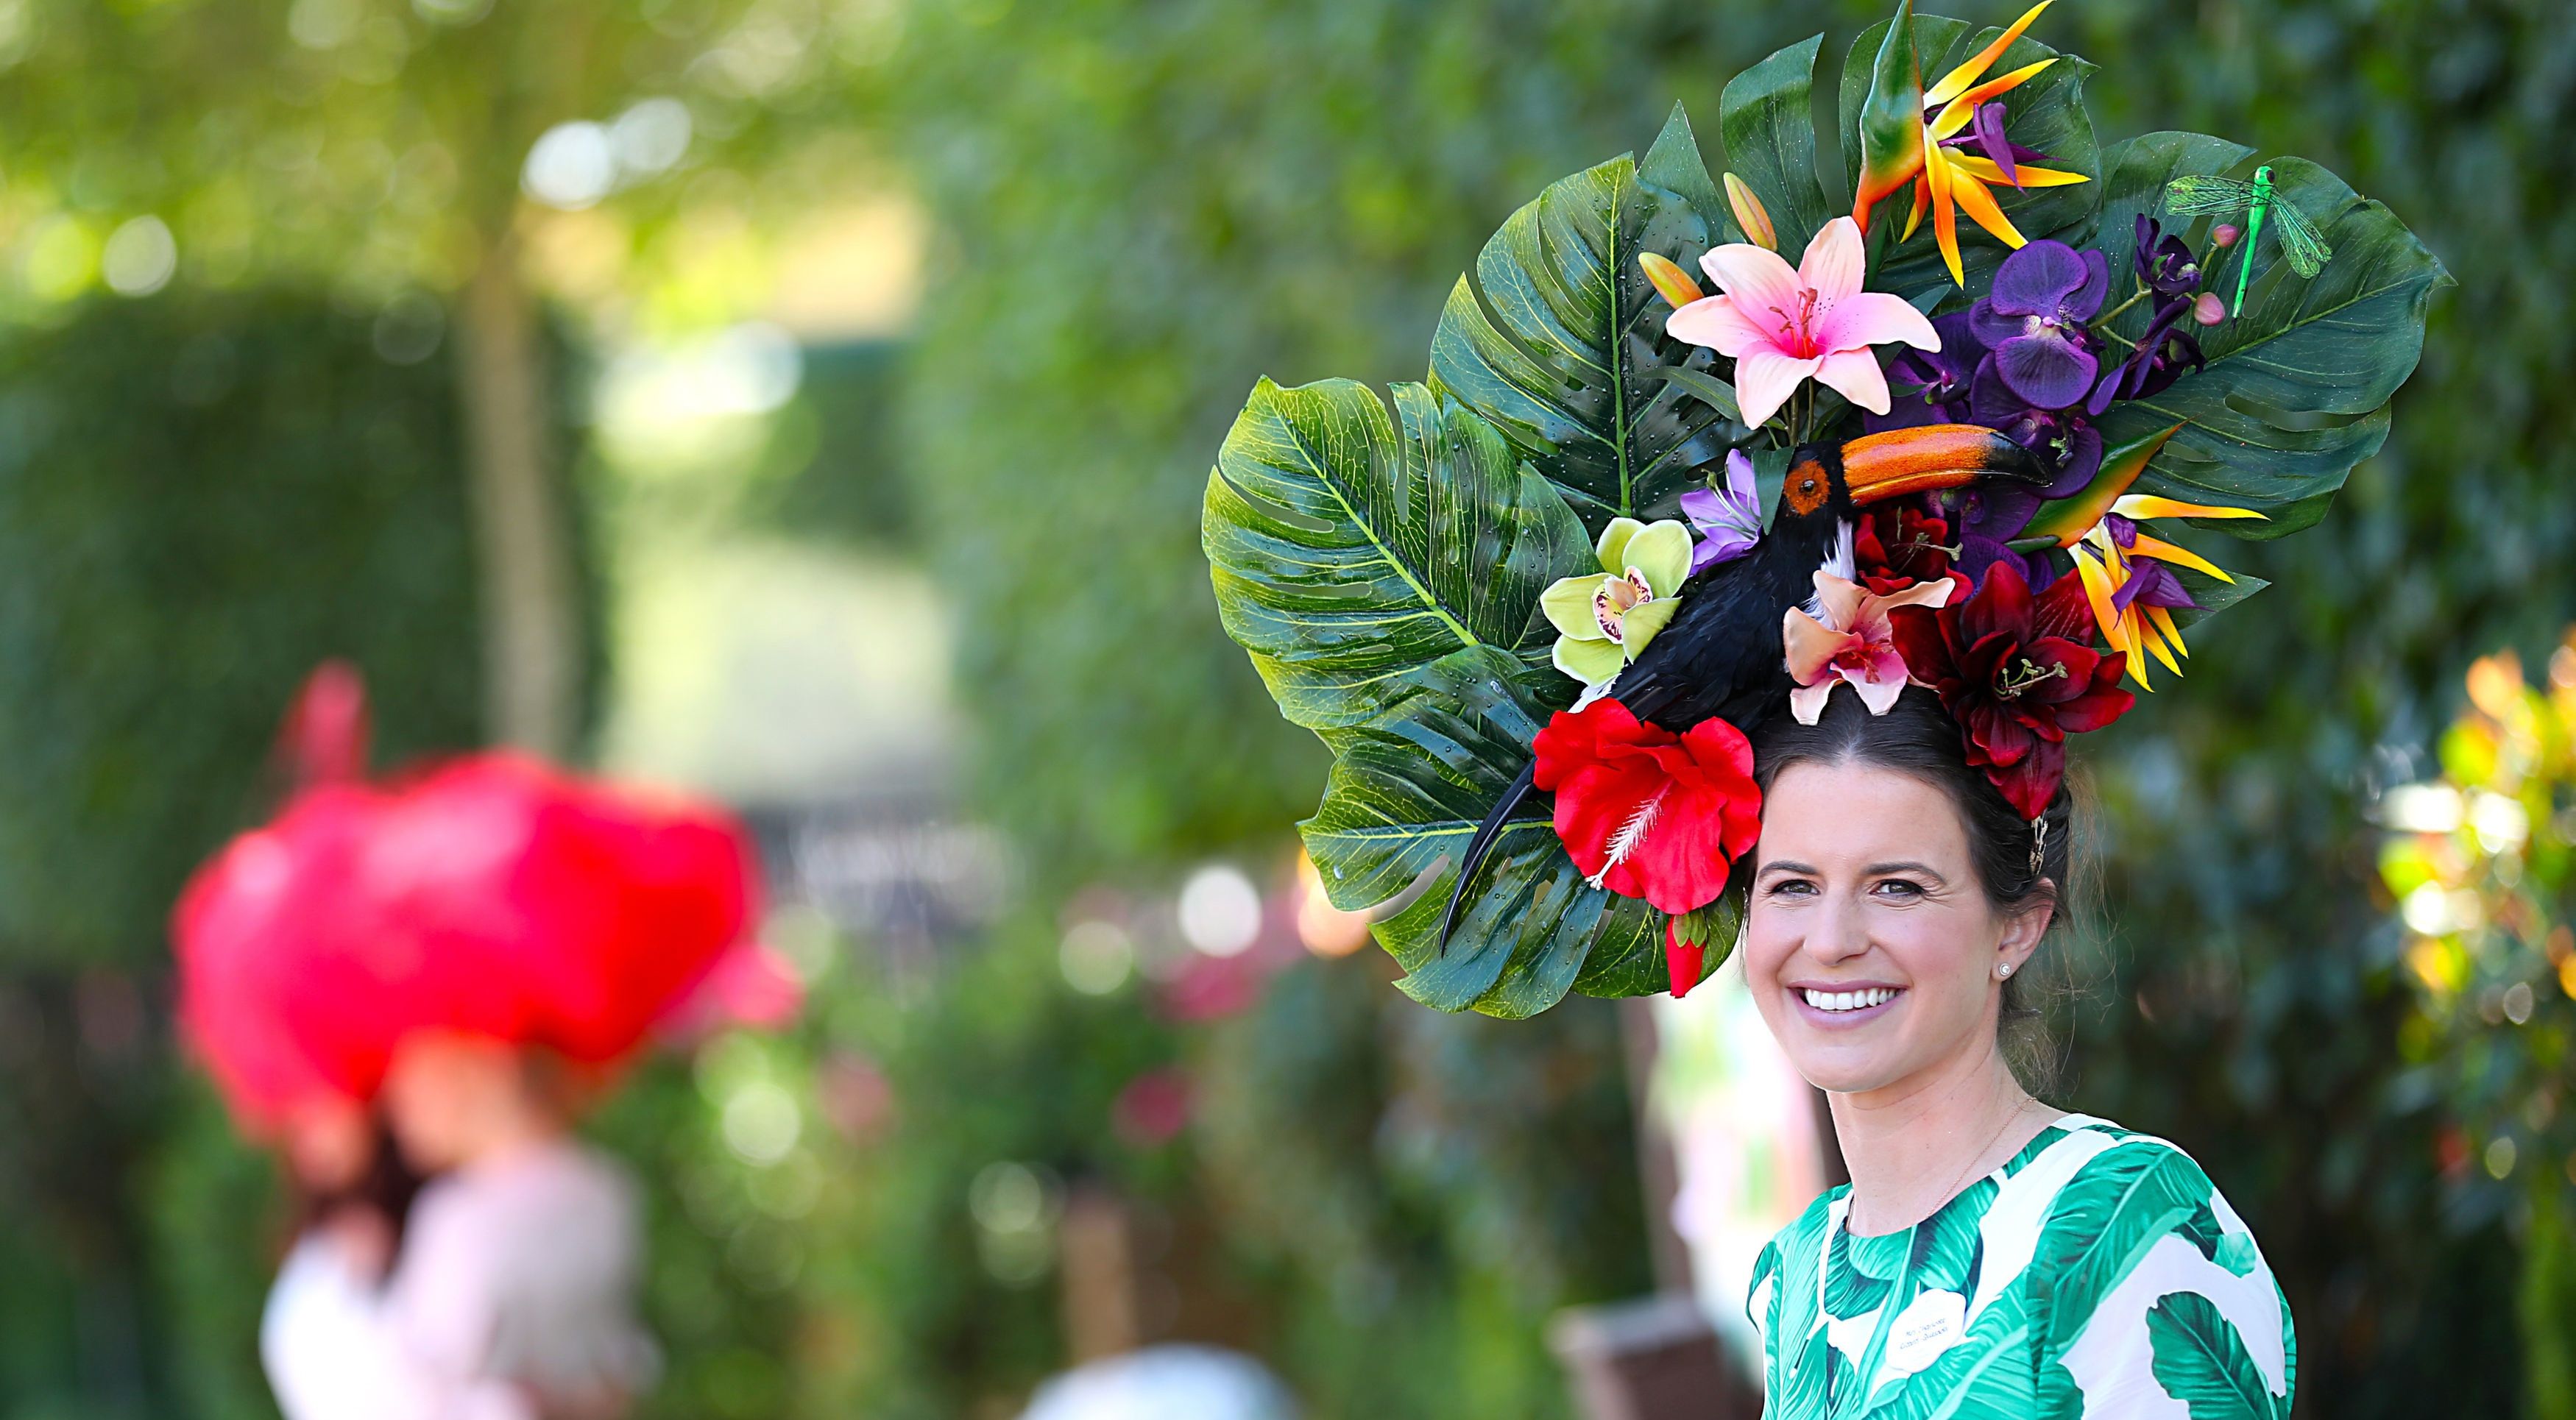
200 497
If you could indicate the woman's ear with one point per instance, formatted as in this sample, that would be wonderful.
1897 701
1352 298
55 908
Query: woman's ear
2026 924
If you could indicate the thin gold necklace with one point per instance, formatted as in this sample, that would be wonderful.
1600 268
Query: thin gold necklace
1962 1177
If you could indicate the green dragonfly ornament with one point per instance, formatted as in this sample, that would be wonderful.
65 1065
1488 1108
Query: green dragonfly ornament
2195 195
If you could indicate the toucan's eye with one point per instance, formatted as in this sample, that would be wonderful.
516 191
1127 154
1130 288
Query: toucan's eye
1807 492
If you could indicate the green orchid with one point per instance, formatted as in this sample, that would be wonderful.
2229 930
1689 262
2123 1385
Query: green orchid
1604 619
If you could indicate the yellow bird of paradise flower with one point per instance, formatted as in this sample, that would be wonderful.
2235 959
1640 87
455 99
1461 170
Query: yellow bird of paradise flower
2139 629
1947 180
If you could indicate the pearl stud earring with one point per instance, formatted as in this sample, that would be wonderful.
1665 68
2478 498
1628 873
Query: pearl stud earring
2002 970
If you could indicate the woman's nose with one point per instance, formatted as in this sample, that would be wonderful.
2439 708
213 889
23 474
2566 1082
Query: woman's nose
1836 932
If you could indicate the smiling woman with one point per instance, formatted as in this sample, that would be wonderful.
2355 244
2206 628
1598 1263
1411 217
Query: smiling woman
1991 1255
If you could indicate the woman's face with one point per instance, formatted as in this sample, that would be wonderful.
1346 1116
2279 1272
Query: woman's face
1871 948
330 1144
447 1095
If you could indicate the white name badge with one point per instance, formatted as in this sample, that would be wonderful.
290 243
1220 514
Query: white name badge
1930 1324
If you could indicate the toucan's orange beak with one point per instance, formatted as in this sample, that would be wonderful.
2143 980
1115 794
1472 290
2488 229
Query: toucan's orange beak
1877 467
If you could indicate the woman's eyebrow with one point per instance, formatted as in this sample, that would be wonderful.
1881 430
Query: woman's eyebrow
1784 865
1883 869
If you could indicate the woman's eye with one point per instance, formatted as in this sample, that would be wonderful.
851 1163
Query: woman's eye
1900 889
1793 887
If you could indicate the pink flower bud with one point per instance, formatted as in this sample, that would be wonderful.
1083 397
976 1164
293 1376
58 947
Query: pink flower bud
2225 234
2207 309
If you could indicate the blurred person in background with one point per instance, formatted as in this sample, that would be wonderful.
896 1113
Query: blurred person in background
465 954
1169 1382
352 1195
513 1291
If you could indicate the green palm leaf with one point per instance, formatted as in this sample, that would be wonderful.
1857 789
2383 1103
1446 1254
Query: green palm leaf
2201 1361
2104 1221
1346 552
1384 575
1407 790
1767 119
2296 389
1557 339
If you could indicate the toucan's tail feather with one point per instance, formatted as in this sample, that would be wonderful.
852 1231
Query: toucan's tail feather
1481 844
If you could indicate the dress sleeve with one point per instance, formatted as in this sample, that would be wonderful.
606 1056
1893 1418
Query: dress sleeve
2152 1298
1759 1298
332 1352
440 1313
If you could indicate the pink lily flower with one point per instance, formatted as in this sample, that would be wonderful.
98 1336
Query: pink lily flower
1853 642
1784 327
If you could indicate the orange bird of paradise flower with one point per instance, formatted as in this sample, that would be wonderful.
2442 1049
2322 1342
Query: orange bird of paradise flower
1946 181
2106 566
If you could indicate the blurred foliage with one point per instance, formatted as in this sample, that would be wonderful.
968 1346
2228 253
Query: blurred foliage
200 497
844 438
378 145
2483 866
1347 1167
1145 206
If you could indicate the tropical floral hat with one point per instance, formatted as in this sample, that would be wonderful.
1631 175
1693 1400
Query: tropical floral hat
1535 610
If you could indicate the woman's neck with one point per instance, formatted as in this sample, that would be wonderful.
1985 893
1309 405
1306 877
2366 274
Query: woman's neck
1912 1145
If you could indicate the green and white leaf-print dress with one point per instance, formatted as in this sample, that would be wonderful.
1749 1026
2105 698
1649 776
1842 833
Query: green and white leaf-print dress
2097 1275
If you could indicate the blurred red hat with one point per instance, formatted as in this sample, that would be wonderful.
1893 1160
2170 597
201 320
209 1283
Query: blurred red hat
493 895
281 1015
520 902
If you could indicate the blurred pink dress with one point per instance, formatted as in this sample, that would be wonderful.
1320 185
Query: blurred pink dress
516 1281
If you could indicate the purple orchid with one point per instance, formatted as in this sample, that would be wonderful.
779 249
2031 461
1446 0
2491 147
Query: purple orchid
2033 323
1985 132
2150 581
2156 363
1728 520
2164 263
1940 379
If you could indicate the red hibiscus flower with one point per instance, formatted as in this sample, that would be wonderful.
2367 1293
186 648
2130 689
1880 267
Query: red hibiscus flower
2013 672
1647 813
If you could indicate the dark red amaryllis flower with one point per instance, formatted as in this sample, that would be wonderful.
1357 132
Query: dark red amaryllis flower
1645 812
1896 545
2017 673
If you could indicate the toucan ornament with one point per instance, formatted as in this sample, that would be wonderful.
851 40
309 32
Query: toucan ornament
1720 655
1993 453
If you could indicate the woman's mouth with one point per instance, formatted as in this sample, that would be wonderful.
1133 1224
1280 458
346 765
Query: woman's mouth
1845 1005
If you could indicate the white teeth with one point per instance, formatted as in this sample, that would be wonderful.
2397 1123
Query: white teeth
1850 1000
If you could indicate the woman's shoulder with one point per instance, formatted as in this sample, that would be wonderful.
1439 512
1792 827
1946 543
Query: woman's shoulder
2140 1272
2089 1180
2087 1200
1807 1234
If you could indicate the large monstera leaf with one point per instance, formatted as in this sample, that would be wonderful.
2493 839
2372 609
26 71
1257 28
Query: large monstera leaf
2046 114
1558 340
1407 791
1384 575
2296 388
1347 550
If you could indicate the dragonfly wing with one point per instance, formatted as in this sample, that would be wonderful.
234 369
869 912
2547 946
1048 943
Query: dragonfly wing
2193 195
2300 241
